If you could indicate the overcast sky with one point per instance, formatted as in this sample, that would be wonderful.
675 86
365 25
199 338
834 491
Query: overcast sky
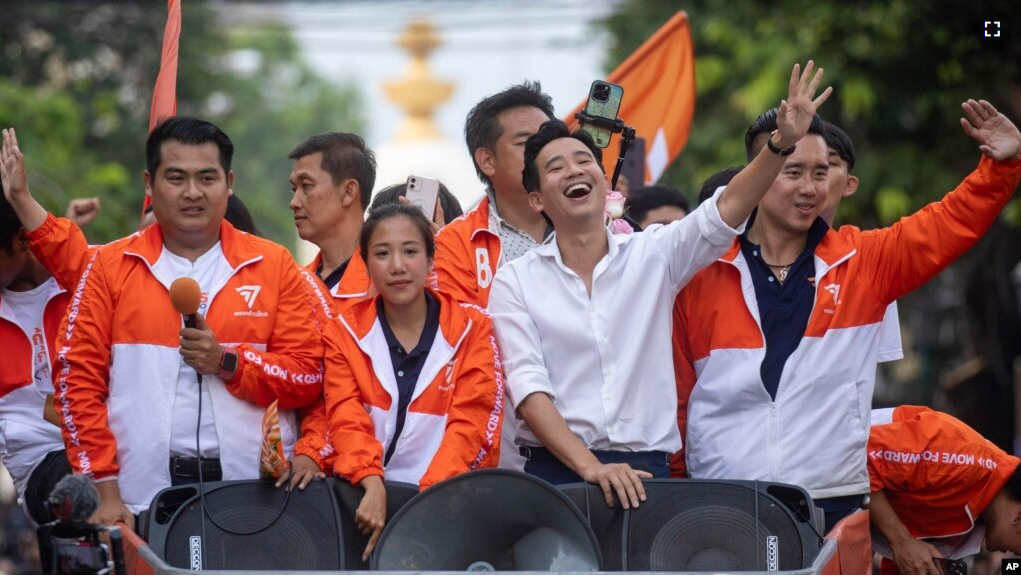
488 45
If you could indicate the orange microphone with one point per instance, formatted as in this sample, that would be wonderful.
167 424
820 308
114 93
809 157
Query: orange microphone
186 296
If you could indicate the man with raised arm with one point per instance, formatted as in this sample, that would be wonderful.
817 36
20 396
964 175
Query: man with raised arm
779 339
584 320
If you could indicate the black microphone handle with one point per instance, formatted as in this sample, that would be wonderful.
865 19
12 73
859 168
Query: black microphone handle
189 322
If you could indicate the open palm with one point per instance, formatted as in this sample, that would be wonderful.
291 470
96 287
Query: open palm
996 135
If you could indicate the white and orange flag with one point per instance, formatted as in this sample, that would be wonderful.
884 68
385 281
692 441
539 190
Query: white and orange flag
164 95
659 96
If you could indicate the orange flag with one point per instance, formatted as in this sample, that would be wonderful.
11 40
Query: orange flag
659 96
164 95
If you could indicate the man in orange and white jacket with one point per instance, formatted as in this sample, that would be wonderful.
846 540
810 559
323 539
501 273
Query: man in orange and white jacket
939 489
777 342
444 433
125 377
331 183
503 227
33 297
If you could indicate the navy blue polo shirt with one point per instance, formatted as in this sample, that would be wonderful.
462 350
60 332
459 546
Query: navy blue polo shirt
784 309
334 278
408 365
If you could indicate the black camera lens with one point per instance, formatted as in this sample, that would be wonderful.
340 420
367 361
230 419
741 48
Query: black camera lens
601 92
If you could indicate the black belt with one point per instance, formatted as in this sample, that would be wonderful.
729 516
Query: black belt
536 453
539 453
189 467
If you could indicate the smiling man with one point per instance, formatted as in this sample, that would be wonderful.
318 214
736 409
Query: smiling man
778 341
136 418
584 320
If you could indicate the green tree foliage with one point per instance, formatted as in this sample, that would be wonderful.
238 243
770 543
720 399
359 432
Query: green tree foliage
76 80
899 68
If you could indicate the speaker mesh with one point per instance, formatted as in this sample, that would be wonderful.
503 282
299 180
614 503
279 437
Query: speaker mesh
305 537
607 523
710 527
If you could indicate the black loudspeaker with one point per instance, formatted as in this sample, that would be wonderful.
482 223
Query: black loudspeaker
348 498
488 520
252 525
704 526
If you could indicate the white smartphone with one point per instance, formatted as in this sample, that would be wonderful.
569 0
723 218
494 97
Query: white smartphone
422 192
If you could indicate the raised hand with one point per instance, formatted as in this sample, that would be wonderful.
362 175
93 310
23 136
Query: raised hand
15 180
82 211
996 135
796 112
12 167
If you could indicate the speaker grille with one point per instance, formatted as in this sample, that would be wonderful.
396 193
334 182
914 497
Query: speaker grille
711 527
245 529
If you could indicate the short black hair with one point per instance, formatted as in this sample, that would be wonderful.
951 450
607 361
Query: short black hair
1013 485
839 142
387 211
647 198
766 123
451 207
187 130
9 225
239 216
345 155
714 181
549 131
482 127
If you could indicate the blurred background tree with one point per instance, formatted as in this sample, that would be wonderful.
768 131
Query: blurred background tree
900 69
76 81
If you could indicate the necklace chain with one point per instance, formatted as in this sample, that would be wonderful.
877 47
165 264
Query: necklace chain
781 270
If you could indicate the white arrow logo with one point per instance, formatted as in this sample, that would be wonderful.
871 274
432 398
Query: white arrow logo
249 293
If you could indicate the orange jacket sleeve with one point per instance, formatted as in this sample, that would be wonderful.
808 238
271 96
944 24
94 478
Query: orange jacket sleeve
475 418
61 247
915 249
359 454
292 369
81 376
315 441
684 373
455 275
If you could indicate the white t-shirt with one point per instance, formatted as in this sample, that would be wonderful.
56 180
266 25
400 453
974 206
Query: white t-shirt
211 271
25 438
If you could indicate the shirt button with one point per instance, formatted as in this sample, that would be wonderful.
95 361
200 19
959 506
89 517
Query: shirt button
770 278
400 373
755 253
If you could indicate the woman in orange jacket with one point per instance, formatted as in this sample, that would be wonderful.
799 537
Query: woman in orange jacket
415 391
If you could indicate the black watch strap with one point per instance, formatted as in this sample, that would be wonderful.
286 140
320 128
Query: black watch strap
228 364
779 151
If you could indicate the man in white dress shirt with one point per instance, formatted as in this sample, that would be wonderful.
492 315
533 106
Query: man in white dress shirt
584 320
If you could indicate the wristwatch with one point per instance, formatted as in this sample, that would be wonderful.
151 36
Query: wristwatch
779 151
228 364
